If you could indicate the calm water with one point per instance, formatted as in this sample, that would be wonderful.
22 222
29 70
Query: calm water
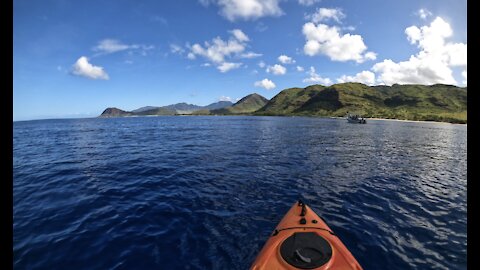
206 192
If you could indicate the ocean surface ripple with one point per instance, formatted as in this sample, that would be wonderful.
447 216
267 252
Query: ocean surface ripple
206 192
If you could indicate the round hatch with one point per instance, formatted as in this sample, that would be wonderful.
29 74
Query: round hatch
306 250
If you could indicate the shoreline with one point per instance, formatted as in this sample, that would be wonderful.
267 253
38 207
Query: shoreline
403 120
414 121
331 117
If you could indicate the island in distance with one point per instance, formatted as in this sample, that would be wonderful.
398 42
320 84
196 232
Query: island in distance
439 102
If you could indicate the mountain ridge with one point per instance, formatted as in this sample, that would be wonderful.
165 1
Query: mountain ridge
248 104
173 109
438 102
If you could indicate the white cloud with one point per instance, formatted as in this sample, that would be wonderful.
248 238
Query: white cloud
206 64
326 40
370 56
83 68
261 64
299 68
308 2
239 35
277 69
250 55
174 48
457 54
432 64
423 13
246 9
218 51
265 83
285 59
326 14
107 46
315 78
110 46
464 75
365 77
224 98
226 66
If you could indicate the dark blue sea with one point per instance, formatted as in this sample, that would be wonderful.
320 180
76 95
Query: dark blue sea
205 192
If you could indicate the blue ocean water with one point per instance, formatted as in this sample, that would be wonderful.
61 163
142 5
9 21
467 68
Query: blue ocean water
206 192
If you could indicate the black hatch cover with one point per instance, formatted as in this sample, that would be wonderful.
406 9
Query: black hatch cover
306 250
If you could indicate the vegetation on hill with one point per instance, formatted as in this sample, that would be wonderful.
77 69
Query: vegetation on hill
287 101
439 102
248 104
410 102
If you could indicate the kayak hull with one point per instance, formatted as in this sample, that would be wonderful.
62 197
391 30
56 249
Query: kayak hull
302 219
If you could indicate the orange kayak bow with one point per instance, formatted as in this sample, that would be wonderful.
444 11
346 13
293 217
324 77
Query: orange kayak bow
302 240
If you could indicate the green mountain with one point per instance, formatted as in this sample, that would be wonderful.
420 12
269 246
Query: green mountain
157 111
287 101
437 102
248 104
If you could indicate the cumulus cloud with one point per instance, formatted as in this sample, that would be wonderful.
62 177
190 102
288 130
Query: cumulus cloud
464 75
261 64
365 77
432 64
315 78
276 69
300 68
326 14
218 51
246 9
423 13
107 46
265 83
285 59
239 35
327 40
226 66
83 68
308 2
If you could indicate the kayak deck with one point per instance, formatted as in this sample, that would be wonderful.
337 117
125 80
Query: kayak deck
302 240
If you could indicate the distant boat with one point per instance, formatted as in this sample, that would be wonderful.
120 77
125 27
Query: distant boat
356 119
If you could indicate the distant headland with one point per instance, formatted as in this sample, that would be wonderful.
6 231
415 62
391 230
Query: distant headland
439 102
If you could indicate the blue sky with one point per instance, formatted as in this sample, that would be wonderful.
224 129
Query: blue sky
76 58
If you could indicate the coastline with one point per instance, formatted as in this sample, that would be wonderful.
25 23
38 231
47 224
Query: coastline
402 120
419 121
331 117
